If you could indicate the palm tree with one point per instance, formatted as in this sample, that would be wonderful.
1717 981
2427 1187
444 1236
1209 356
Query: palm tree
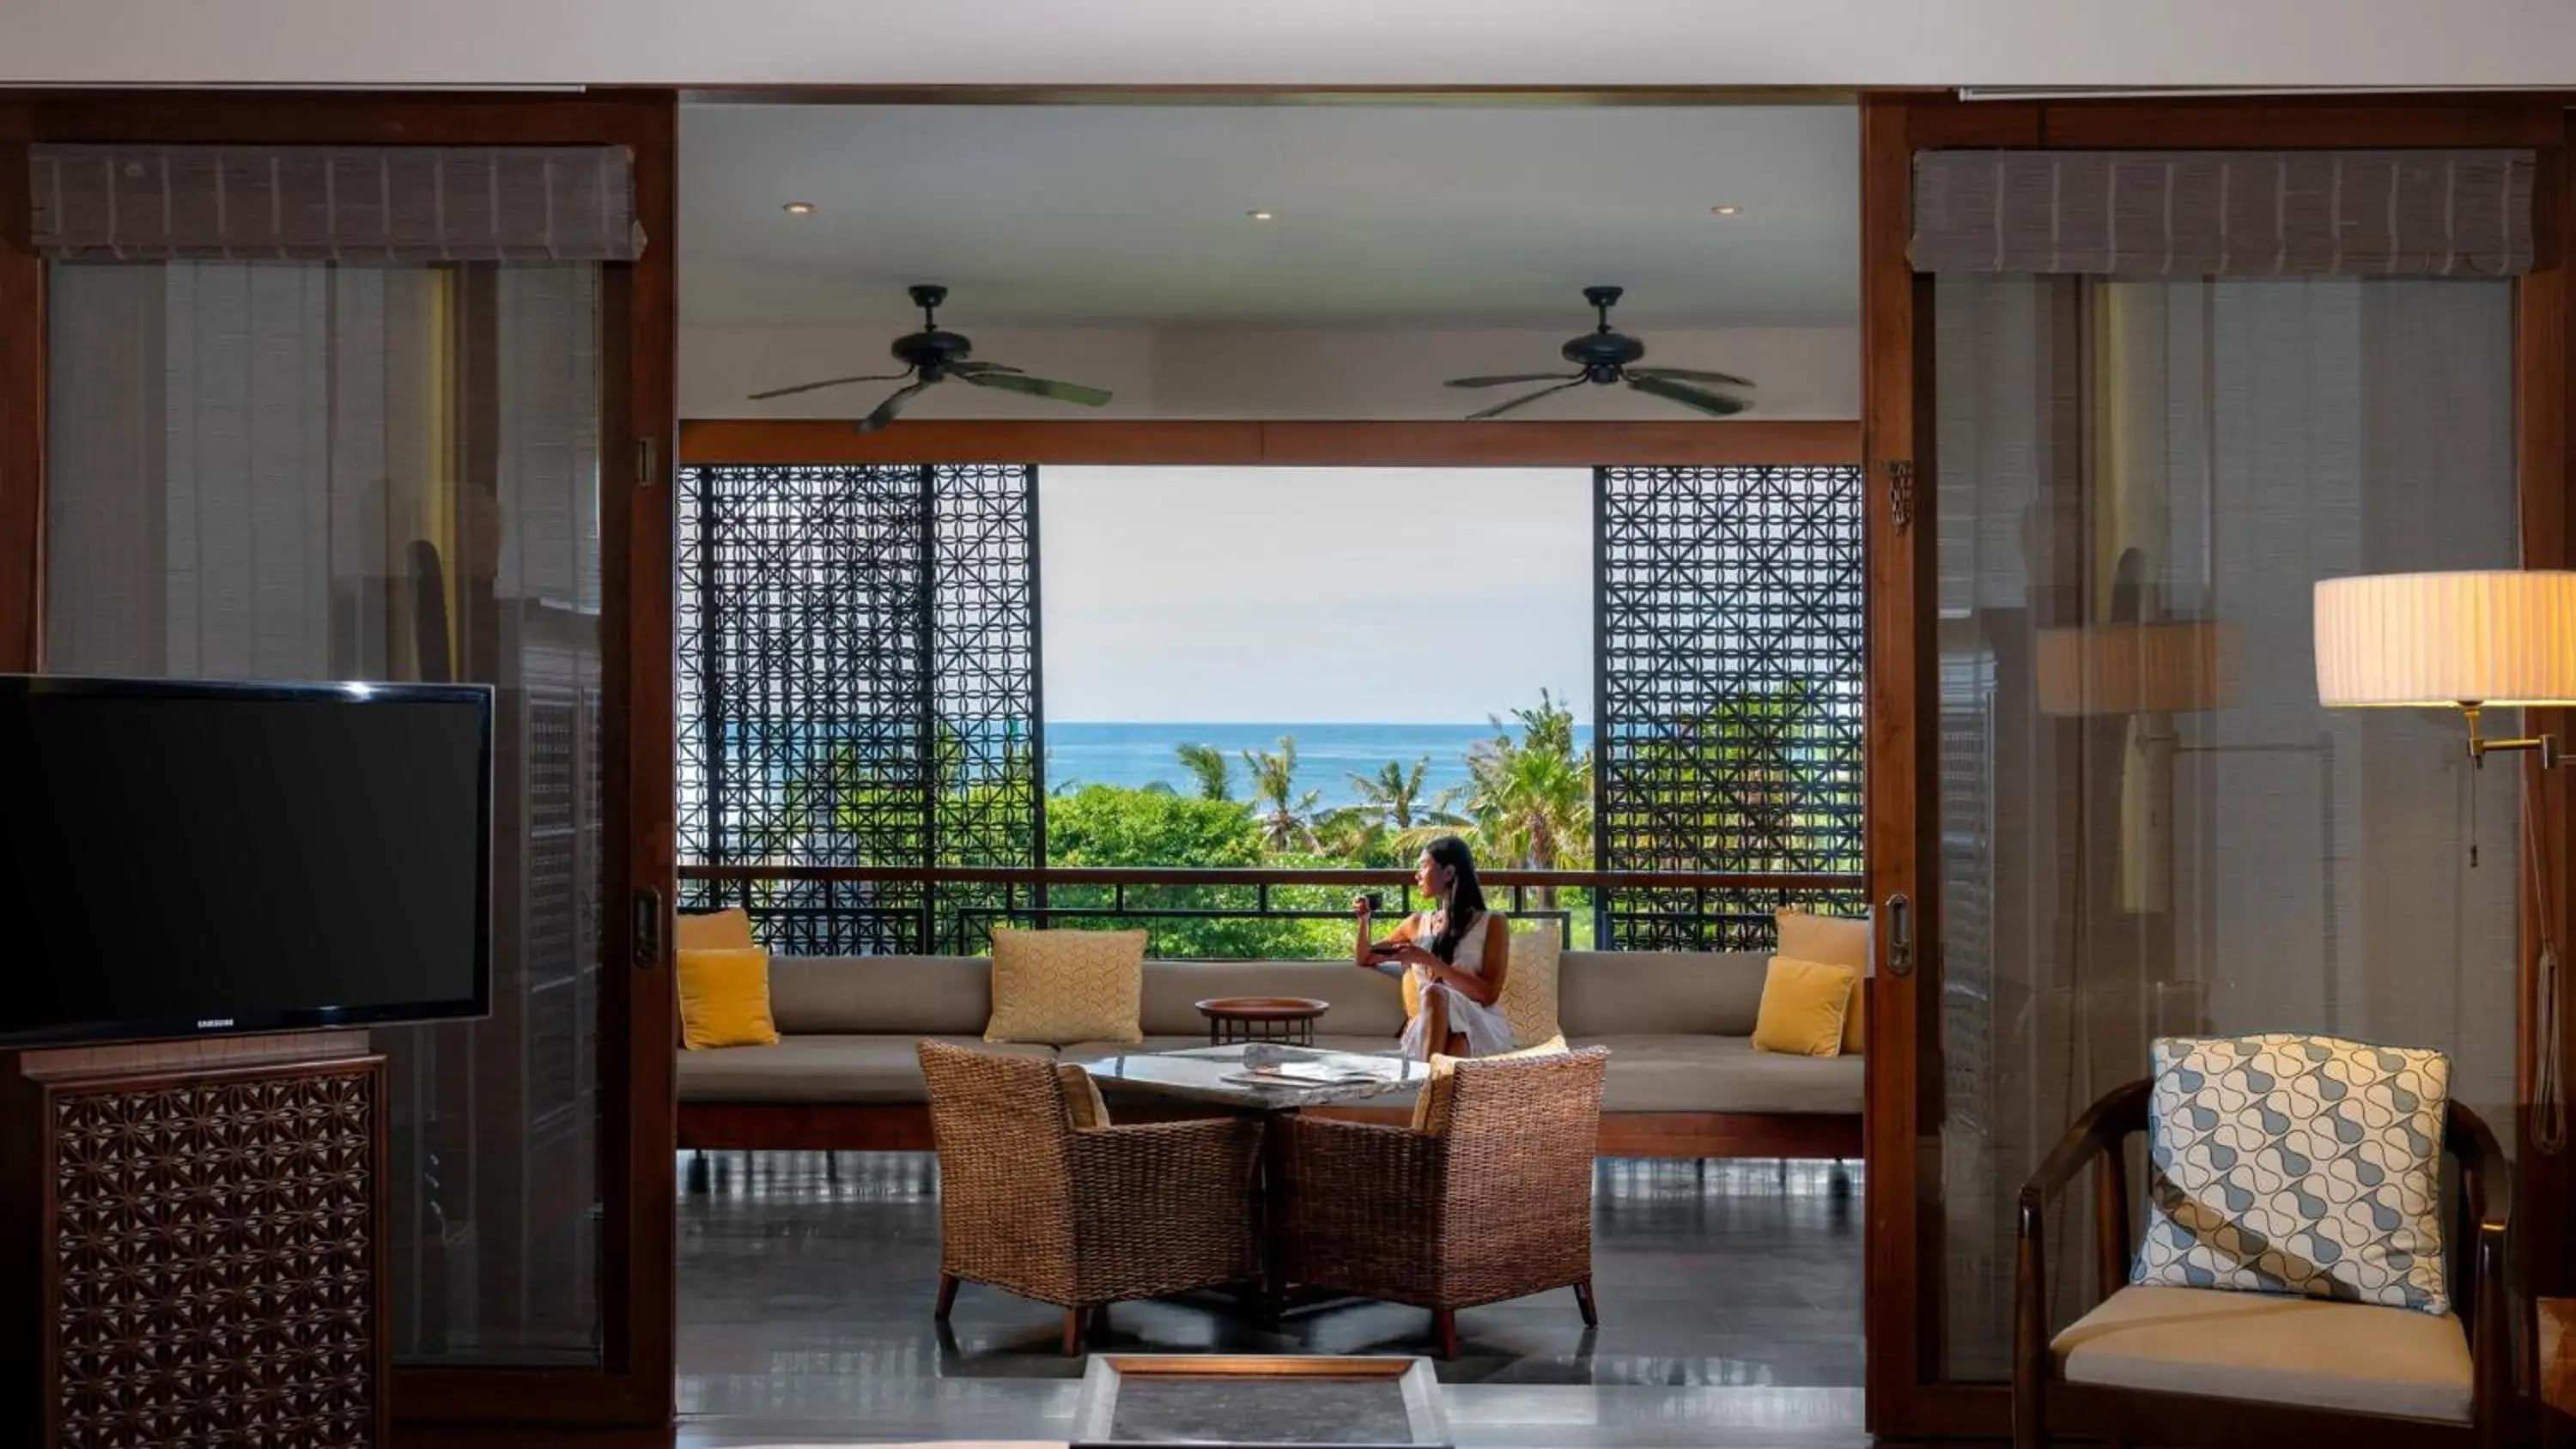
1287 819
1531 797
1209 766
1350 833
1393 796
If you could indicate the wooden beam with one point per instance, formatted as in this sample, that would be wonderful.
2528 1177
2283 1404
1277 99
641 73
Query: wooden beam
1746 442
290 118
1280 444
2286 123
832 443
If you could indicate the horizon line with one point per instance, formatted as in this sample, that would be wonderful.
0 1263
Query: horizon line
1297 723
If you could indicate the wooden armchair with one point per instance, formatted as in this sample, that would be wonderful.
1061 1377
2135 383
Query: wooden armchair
1081 1217
1495 1202
2206 1367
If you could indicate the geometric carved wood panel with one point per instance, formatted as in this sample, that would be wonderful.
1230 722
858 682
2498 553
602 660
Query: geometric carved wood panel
1728 709
214 1249
858 674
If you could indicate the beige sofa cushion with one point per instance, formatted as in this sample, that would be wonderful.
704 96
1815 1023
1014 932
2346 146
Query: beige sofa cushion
2276 1349
1665 1073
881 995
1629 993
818 1069
1365 1003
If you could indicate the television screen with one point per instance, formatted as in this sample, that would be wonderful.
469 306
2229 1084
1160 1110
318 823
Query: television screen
183 859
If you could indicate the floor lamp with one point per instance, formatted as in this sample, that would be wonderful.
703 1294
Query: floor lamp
2470 641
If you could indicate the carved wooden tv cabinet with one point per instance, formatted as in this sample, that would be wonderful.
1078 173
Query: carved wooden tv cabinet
195 1243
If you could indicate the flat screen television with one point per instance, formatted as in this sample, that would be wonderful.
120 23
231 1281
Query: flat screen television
185 859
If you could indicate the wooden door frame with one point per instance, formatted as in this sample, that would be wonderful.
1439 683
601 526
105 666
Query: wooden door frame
1905 1108
639 317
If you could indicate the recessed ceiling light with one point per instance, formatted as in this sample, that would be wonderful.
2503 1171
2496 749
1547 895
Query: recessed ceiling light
1722 211
1258 215
799 208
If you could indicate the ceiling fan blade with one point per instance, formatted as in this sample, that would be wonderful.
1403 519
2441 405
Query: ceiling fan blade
830 382
1716 405
1498 409
1687 374
1090 397
1499 379
892 405
969 369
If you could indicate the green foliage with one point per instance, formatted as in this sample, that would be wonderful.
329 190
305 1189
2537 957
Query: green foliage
1530 798
1110 825
1528 804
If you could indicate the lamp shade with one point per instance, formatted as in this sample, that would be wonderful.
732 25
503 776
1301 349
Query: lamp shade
2170 666
2500 637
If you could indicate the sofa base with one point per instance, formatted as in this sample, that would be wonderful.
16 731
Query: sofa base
905 1127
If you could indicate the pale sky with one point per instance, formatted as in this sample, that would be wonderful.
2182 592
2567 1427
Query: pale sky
1299 595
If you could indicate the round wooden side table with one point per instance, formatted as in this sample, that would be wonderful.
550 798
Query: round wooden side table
1289 1019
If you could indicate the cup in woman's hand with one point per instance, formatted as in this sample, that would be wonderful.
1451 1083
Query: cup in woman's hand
1365 905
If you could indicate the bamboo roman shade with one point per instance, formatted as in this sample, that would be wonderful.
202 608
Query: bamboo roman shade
2224 213
329 203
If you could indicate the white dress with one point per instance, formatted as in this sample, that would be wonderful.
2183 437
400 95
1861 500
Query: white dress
1487 1030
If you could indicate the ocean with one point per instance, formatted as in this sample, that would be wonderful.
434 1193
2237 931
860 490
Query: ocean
1137 754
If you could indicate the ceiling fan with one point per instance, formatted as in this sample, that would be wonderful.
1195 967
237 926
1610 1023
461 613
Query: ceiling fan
931 355
1605 357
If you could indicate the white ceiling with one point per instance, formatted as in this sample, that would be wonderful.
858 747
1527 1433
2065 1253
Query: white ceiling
1136 215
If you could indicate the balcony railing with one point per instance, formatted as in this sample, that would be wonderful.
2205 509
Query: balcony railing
1235 911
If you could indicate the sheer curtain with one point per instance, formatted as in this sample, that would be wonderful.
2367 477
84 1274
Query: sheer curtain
315 470
2149 825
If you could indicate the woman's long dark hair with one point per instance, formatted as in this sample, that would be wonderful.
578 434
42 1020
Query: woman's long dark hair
1466 905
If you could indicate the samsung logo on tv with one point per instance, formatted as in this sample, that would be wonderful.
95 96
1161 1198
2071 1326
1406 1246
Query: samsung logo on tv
214 1023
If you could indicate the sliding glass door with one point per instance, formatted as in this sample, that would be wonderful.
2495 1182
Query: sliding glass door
371 456
2102 781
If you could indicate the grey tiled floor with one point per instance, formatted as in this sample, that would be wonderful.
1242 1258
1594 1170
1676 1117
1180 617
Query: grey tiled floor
1730 1301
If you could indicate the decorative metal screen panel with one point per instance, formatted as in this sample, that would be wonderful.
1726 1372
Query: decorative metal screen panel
1730 608
858 686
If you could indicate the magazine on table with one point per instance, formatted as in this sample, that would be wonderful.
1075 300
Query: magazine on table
1305 1074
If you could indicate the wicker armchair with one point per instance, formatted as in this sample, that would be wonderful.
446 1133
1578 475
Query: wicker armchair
1080 1218
1498 1205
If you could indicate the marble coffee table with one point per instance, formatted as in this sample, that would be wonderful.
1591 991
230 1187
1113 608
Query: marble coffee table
1216 1075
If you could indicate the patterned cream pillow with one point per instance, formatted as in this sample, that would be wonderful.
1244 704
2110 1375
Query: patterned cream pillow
1529 985
2297 1164
1055 988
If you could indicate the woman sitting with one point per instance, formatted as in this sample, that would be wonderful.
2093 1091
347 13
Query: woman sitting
1457 955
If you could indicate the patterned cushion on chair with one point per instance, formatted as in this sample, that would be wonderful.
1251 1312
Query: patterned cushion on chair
2297 1164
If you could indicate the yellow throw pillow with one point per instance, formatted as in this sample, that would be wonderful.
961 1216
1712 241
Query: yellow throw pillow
1803 1005
1081 1098
1835 941
1055 988
724 999
725 930
1529 985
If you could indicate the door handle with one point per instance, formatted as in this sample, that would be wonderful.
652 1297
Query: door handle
1900 935
648 928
